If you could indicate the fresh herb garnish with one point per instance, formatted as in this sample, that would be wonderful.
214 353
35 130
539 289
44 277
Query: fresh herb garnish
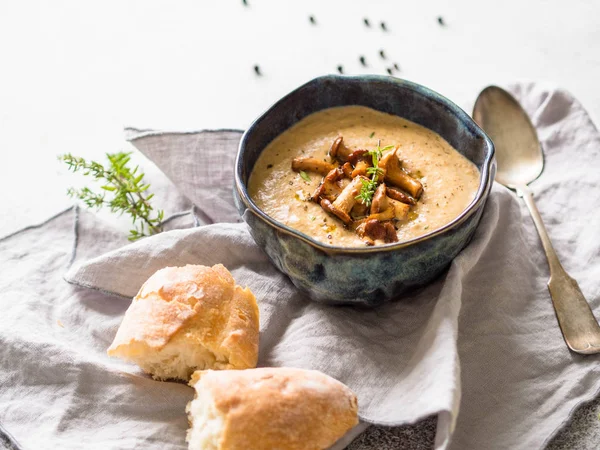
369 186
372 134
366 191
127 187
304 176
375 171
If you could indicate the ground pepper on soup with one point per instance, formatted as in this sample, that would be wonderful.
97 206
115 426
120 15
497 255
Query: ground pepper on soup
352 176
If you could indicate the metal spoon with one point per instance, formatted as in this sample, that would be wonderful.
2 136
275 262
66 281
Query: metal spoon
520 161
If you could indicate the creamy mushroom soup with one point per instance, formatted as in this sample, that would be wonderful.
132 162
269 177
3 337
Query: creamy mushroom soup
352 176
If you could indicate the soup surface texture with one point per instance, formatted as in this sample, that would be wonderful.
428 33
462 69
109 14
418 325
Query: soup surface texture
450 181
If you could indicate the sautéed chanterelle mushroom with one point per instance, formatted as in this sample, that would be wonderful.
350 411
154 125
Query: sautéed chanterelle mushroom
352 176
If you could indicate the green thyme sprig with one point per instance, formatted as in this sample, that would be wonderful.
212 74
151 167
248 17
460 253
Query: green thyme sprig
369 186
304 176
129 192
366 191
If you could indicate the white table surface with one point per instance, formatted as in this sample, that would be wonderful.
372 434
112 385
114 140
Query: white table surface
73 74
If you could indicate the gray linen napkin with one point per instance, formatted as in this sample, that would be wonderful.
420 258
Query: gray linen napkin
485 329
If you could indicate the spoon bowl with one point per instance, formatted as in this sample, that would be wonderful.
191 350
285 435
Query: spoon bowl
518 151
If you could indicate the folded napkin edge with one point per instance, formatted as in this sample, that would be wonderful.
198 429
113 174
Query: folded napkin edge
133 134
39 224
583 399
90 286
397 423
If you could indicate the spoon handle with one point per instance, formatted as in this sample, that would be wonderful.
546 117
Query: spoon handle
577 323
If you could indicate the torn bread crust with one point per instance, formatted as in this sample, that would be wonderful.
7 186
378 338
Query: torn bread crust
268 408
189 318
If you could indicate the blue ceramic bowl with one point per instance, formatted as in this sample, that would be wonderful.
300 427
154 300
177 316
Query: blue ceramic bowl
368 275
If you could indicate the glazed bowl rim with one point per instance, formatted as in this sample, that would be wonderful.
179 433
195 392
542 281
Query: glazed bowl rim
478 200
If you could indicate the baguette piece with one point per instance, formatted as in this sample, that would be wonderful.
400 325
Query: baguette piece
268 408
189 318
